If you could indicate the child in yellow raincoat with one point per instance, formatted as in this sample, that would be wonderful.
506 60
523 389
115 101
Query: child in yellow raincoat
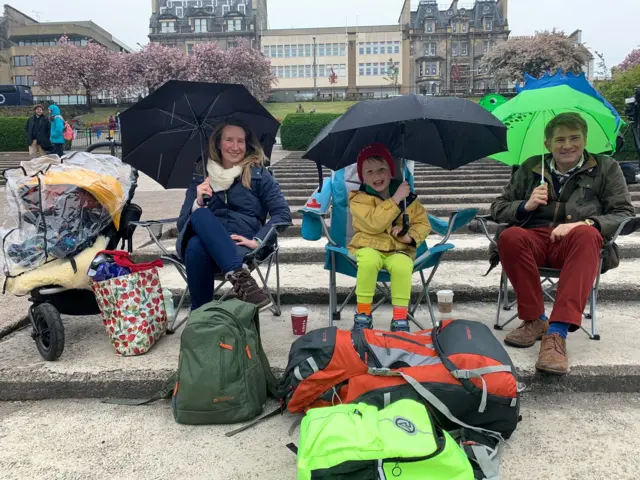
377 211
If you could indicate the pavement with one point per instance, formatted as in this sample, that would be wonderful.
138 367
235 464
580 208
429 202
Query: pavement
89 368
561 437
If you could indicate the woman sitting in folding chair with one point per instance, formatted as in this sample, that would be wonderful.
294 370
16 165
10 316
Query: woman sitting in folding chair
224 217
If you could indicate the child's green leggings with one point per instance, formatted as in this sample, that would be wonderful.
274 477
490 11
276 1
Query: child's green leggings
399 266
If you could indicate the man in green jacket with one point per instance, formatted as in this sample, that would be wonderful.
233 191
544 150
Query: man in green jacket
559 222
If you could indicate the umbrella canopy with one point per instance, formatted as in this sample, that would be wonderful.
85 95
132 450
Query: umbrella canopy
166 133
441 131
492 101
527 115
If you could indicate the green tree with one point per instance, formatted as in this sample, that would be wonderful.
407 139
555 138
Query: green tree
393 74
622 85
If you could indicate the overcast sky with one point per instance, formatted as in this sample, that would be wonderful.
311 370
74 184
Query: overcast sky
610 27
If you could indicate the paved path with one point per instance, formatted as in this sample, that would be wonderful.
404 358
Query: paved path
561 437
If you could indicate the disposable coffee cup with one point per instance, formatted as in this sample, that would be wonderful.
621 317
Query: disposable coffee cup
299 318
445 301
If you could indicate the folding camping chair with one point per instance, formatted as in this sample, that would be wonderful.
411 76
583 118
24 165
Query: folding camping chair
335 194
549 277
265 255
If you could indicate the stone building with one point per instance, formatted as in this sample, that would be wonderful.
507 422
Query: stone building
445 47
20 34
184 23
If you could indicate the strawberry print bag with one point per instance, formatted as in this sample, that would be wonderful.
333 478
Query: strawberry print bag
133 310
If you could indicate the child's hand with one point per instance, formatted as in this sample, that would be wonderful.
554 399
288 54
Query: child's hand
405 239
403 192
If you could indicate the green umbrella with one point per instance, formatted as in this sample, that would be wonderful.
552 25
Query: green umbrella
527 114
492 101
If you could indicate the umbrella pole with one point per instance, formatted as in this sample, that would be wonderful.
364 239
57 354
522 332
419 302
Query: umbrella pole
405 216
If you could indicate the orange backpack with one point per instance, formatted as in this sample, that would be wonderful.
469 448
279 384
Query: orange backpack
461 363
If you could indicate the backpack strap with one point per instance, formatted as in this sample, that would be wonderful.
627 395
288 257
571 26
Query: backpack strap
166 391
273 413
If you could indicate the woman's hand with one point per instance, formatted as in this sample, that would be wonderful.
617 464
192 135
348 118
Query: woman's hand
245 242
204 189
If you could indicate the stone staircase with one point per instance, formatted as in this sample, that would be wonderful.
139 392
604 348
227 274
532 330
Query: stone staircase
304 281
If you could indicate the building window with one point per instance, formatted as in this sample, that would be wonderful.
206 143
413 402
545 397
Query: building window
396 47
465 27
464 49
375 48
383 48
421 70
294 71
429 27
336 49
273 52
242 8
280 51
488 24
454 27
430 49
307 50
454 49
308 71
200 25
280 71
168 27
294 50
375 69
432 68
234 25
368 48
361 48
361 69
321 50
486 46
226 8
301 50
343 49
179 12
287 51
274 71
24 80
321 71
383 69
301 71
342 70
190 48
23 61
368 69
287 71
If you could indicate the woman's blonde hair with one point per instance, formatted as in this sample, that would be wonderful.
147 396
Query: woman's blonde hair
254 156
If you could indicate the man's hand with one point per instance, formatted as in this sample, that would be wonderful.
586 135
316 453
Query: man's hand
245 242
405 239
539 196
563 230
403 192
203 189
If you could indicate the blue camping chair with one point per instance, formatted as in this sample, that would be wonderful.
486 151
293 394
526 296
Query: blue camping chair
335 194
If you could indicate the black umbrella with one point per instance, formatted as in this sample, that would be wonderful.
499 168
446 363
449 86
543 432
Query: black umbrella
441 131
445 132
166 133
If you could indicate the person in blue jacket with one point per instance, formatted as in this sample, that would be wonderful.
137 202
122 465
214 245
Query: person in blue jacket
224 216
57 130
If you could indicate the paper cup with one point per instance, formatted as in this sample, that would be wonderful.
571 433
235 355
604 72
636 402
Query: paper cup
299 318
445 301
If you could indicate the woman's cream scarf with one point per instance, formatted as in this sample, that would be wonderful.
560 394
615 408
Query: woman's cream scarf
222 178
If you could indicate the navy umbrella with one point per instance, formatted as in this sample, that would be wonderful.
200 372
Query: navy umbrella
445 132
165 134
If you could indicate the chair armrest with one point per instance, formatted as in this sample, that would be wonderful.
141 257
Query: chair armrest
270 238
627 227
149 223
484 221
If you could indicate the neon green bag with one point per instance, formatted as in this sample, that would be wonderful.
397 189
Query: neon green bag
360 442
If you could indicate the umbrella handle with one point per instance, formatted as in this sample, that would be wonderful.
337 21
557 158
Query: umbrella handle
206 199
405 225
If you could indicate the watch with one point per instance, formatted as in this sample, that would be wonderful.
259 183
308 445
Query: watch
590 222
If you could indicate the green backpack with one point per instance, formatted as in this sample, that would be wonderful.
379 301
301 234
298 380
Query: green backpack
223 373
360 442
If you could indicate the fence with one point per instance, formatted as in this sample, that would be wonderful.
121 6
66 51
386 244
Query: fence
86 136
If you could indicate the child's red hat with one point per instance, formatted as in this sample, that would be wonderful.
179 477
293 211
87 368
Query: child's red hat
376 150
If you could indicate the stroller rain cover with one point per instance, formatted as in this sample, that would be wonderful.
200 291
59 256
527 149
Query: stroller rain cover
57 208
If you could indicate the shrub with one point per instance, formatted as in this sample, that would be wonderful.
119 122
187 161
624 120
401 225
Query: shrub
299 129
12 137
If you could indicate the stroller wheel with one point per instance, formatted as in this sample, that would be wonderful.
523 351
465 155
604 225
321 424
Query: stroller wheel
48 331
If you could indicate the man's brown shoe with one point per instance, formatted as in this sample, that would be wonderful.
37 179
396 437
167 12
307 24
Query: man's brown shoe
527 334
553 355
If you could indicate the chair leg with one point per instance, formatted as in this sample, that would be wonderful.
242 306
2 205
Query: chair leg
503 295
172 326
505 283
278 305
497 325
333 300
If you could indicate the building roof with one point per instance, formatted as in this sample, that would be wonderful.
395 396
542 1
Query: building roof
428 9
331 30
168 9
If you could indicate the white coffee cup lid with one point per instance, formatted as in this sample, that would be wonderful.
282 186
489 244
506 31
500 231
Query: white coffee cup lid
445 292
299 311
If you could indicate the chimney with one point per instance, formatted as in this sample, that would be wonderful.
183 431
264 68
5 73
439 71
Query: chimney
503 6
454 6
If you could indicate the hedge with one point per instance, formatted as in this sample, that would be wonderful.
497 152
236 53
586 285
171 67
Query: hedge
299 129
628 151
12 137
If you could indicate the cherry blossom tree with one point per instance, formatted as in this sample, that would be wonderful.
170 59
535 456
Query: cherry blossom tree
632 60
69 68
333 79
545 51
240 64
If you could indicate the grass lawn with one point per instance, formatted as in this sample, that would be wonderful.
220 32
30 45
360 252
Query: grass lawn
281 110
100 114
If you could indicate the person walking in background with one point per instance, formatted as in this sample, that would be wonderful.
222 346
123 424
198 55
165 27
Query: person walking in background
37 130
57 130
112 127
118 120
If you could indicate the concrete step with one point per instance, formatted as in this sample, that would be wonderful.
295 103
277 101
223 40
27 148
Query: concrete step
295 250
89 368
312 183
308 283
443 175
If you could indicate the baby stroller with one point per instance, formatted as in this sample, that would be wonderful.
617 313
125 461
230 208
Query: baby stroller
66 210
